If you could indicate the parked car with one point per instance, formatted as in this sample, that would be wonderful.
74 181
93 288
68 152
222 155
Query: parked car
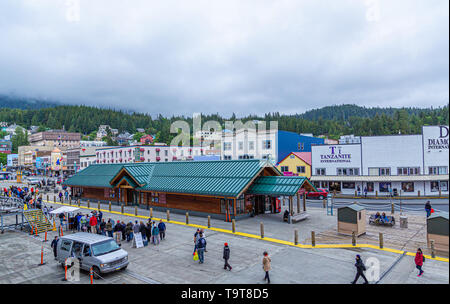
100 252
33 181
321 194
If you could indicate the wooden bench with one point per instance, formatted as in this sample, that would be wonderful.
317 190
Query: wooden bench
299 217
391 222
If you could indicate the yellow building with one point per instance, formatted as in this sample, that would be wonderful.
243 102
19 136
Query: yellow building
296 163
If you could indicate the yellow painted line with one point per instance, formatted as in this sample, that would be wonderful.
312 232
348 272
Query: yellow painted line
254 236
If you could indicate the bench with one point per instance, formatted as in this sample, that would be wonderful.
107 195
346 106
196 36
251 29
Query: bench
299 217
391 222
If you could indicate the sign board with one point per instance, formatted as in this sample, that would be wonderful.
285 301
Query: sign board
435 146
138 240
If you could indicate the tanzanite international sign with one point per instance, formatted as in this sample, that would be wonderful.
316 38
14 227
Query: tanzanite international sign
335 155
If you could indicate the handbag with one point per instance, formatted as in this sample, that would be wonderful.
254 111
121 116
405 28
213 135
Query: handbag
195 257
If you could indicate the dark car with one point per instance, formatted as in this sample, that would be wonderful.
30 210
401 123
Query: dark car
321 194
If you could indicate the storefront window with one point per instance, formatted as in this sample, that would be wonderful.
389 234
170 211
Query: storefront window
408 187
370 187
444 186
384 187
325 185
348 185
434 186
316 184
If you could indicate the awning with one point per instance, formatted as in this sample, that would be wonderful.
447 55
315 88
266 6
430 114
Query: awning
280 185
64 209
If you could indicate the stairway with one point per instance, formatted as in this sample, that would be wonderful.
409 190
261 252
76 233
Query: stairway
36 218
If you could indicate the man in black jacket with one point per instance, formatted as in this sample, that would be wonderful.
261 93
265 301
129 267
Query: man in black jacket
226 256
54 245
360 268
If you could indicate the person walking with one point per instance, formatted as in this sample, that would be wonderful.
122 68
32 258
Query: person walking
162 230
201 245
360 268
195 239
226 256
60 196
54 245
419 259
266 266
428 208
109 228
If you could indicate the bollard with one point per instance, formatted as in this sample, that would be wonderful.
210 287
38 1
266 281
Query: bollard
88 204
70 202
356 193
376 193
45 239
121 208
36 230
135 210
353 238
433 251
392 208
324 203
79 203
418 193
109 206
54 225
233 225
47 199
296 236
98 205
65 270
209 221
62 233
91 274
440 192
381 239
313 238
168 215
54 198
187 218
151 212
32 230
42 257
262 229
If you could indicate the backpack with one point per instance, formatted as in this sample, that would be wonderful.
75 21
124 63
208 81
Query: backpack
201 243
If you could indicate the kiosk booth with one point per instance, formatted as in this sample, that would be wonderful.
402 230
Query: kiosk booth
352 218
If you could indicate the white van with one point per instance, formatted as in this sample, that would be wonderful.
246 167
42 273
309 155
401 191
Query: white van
92 250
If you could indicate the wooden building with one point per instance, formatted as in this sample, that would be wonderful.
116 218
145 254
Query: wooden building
223 189
437 230
352 219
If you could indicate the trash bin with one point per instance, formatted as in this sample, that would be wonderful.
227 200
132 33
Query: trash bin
403 221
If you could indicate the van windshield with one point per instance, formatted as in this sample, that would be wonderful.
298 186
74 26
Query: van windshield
104 247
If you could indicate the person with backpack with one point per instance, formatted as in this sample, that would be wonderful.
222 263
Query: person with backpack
226 256
428 208
201 245
195 239
360 268
419 259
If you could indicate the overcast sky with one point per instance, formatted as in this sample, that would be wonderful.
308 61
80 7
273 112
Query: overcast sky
242 56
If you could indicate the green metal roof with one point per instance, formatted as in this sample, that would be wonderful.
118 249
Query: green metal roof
221 178
355 207
95 175
278 185
129 180
438 214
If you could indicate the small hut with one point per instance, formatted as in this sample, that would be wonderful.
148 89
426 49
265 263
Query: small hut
437 230
352 218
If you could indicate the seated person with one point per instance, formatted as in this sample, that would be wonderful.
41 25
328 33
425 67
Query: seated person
384 218
286 215
377 217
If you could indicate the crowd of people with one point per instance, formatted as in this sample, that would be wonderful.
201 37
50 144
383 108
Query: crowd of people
28 195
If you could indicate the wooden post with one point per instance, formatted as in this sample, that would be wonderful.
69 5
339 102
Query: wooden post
79 203
234 208
98 205
209 221
48 198
187 218
381 240
304 201
291 206
418 193
109 206
324 203
376 193
298 202
168 215
392 208
353 238
151 212
262 229
70 202
440 192
88 204
54 198
296 236
433 251
356 193
233 225
121 208
313 238
135 210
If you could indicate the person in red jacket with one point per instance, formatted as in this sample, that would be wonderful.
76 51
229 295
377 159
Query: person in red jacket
419 259
93 224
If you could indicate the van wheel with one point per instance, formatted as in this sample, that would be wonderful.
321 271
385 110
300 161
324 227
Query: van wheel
96 272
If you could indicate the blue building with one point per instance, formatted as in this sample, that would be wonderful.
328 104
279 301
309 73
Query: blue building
292 142
12 160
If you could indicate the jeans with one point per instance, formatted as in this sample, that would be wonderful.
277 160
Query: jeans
155 239
162 235
129 236
110 233
200 252
226 265
358 274
267 277
420 269
428 212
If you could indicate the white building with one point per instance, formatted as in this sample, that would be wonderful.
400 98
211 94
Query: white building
92 143
138 153
403 164
349 139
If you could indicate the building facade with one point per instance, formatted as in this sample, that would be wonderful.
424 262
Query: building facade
296 164
12 160
268 144
5 146
407 165
55 138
